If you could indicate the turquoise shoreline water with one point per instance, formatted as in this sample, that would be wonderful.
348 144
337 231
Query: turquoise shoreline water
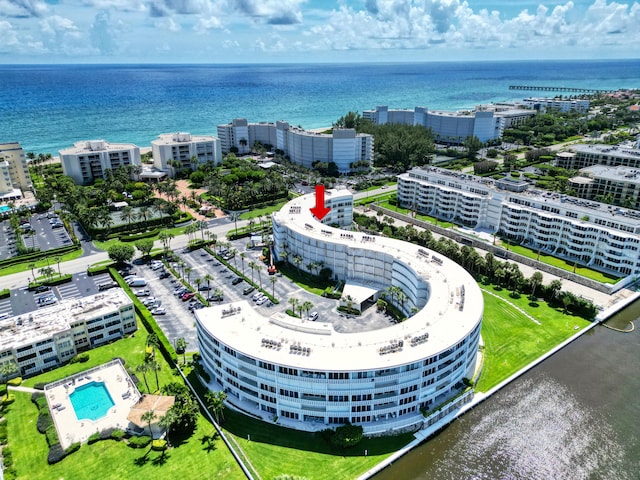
49 107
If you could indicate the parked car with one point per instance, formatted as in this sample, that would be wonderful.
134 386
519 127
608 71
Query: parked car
159 311
143 292
164 274
262 300
107 286
180 290
204 288
137 282
248 290
188 296
149 301
236 280
313 316
155 265
41 289
215 298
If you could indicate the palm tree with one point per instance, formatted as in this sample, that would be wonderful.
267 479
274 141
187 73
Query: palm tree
259 275
252 266
143 368
181 344
198 281
242 257
306 306
535 281
155 367
208 278
32 266
58 259
294 303
273 281
127 214
215 402
297 260
169 419
148 417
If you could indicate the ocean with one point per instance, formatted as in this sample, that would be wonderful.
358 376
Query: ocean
49 107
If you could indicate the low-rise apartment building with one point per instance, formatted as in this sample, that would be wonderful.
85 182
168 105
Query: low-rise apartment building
585 155
601 236
557 104
619 185
45 338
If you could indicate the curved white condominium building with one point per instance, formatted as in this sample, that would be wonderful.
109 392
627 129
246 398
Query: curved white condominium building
311 374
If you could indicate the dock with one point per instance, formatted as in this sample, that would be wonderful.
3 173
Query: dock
558 89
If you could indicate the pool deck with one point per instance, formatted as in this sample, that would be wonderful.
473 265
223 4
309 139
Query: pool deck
121 388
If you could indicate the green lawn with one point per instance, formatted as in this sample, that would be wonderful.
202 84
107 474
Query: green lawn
23 267
563 264
419 216
513 340
264 211
104 245
109 459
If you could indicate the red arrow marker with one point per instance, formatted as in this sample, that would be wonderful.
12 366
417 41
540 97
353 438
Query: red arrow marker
320 211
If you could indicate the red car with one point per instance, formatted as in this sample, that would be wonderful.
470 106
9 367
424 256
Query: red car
188 296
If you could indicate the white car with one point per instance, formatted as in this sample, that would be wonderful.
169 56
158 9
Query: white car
261 300
148 301
313 316
159 311
143 292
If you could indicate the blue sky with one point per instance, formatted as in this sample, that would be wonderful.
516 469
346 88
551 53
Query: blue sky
267 31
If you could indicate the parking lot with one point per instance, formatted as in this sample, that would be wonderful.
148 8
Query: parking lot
24 301
42 232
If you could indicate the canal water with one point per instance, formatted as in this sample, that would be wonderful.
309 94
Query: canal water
575 416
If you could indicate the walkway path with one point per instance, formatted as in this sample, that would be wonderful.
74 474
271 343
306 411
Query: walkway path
24 389
512 305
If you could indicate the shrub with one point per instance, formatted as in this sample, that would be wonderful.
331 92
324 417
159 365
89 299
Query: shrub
140 442
52 435
5 293
10 473
159 445
9 400
3 434
43 423
39 386
347 435
118 434
74 447
6 452
6 461
94 438
14 382
83 357
56 453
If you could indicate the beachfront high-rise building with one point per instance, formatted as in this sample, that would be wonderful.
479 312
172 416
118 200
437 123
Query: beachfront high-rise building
557 104
45 338
600 236
343 146
314 374
14 171
89 160
189 150
485 122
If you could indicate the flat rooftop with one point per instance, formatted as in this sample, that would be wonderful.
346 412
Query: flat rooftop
453 310
48 321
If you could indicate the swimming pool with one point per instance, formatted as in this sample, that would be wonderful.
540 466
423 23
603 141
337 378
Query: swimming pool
91 401
4 208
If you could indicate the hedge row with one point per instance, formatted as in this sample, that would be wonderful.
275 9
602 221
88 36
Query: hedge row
33 256
59 280
149 322
5 293
139 236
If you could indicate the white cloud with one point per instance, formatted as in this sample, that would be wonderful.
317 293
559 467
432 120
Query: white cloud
274 12
203 25
22 8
